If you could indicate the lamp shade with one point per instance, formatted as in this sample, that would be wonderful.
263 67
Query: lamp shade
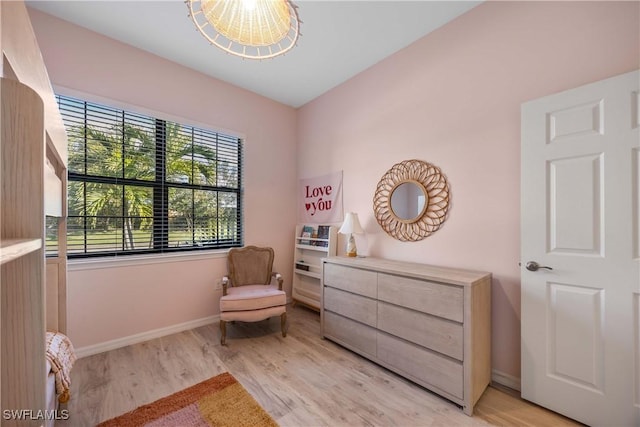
253 29
249 22
351 224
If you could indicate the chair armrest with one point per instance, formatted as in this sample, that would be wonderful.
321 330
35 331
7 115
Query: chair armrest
225 284
278 277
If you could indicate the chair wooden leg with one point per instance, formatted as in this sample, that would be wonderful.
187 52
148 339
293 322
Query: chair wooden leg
283 324
223 332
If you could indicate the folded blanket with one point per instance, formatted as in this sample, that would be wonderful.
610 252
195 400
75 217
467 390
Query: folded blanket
61 356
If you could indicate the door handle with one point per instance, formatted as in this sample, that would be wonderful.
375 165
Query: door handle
534 266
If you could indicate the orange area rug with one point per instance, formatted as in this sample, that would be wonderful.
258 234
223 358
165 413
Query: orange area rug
218 401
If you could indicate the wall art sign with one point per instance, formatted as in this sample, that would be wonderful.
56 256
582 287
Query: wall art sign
320 199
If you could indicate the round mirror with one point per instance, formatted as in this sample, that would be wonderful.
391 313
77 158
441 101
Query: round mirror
409 200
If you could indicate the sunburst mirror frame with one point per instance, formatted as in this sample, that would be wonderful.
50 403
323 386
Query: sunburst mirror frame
434 185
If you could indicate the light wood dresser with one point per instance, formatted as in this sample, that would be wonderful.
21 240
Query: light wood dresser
429 324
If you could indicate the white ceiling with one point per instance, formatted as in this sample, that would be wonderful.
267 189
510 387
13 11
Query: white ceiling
339 39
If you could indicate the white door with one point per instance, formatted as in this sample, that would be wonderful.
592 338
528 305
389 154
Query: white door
580 213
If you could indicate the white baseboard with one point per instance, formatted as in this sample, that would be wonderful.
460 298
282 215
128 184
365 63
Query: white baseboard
505 380
143 336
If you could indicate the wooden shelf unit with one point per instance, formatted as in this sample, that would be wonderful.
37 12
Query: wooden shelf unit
306 280
33 135
22 279
11 249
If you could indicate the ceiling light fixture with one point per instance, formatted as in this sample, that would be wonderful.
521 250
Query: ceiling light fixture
254 29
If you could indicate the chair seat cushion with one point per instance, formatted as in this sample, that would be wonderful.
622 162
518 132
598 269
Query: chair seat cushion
252 297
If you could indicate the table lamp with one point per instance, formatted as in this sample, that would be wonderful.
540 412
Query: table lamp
351 226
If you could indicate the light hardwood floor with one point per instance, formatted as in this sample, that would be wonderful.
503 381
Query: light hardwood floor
301 380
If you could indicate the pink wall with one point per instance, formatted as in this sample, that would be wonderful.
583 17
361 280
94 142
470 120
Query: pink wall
453 99
110 303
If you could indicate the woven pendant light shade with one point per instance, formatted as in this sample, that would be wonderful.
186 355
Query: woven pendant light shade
256 29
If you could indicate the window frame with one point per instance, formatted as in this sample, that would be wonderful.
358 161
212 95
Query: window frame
160 187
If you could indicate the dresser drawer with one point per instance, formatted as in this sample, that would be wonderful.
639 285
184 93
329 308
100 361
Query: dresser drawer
421 295
350 305
420 364
350 333
362 282
434 333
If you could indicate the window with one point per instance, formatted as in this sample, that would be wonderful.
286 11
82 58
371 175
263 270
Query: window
51 236
139 184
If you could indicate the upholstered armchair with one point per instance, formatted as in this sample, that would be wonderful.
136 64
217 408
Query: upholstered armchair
248 294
